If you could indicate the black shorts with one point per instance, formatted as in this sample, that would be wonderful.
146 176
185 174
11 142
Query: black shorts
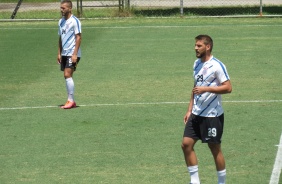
207 129
66 62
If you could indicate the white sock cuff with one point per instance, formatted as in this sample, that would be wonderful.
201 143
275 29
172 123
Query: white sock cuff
68 79
222 172
193 168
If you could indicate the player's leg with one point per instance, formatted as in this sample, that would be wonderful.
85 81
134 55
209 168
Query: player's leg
219 162
189 140
69 83
69 68
68 72
212 134
189 152
218 156
191 158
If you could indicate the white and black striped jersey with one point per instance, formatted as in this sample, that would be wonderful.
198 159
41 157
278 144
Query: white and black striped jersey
210 73
67 30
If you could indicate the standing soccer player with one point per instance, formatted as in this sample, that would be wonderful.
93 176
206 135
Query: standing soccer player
204 119
69 48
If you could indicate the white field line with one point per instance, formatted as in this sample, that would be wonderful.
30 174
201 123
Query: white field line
136 103
277 165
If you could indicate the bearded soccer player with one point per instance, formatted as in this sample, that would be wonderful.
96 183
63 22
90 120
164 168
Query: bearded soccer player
69 48
204 118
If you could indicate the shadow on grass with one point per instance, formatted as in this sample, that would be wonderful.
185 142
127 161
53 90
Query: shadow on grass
209 11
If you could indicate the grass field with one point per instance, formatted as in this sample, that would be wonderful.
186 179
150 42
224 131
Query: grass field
132 88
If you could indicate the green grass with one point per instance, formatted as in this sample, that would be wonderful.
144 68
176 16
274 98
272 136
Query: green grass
125 62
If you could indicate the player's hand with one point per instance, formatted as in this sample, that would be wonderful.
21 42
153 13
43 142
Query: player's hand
74 58
186 117
199 90
59 59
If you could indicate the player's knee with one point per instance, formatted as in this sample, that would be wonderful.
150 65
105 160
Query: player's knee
66 76
183 146
68 72
186 145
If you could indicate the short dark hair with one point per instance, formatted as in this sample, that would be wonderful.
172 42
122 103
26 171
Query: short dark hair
68 2
206 38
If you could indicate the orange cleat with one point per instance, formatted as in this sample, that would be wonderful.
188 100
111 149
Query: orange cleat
69 105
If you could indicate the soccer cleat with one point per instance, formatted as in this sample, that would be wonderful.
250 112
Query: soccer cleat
69 105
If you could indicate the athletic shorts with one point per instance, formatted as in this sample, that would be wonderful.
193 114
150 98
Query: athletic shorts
66 62
207 129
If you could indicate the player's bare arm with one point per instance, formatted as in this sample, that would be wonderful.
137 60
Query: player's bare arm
190 107
225 87
59 51
77 45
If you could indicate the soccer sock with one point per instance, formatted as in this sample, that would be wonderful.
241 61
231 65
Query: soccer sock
221 176
70 88
193 170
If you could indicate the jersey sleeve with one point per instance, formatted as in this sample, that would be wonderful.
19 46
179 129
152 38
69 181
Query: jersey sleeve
222 74
59 30
77 26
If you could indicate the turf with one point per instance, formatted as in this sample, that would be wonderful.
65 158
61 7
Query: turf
132 88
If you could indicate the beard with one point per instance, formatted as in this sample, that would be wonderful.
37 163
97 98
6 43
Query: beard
200 54
65 14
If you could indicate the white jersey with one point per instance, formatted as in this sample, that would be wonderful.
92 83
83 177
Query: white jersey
210 73
67 30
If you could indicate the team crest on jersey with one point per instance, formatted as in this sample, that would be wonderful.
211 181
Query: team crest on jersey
67 26
205 70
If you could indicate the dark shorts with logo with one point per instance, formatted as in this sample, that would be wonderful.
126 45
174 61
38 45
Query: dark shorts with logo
66 62
207 129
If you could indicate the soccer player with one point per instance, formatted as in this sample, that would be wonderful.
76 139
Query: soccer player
69 48
204 119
